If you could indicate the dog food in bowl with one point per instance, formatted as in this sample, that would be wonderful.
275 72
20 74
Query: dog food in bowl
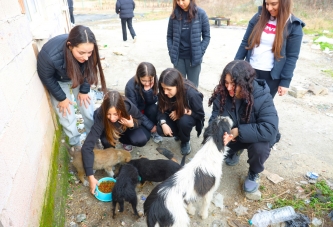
104 191
106 186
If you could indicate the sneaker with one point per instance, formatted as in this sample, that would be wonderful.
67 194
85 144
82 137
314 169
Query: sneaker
156 137
233 159
134 40
176 138
251 183
185 148
128 147
76 148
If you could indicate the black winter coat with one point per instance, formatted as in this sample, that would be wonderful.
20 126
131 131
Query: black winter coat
199 28
194 100
51 67
133 94
263 124
98 128
125 8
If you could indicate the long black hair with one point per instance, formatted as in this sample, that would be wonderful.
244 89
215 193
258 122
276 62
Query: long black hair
192 10
146 69
173 78
242 75
78 35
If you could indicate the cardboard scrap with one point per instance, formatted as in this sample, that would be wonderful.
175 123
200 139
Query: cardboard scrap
272 177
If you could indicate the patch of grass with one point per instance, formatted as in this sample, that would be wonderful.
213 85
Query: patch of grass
320 201
262 188
328 72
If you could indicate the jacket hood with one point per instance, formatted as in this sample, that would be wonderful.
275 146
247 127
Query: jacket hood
260 88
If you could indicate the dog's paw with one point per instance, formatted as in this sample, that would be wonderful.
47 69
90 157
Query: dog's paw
86 183
191 209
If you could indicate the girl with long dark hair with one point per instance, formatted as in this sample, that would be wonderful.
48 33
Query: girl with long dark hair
68 64
142 91
248 103
117 119
179 108
188 38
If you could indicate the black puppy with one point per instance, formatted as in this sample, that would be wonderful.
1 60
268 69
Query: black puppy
154 170
124 189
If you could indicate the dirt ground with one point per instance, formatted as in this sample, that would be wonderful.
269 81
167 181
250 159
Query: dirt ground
305 123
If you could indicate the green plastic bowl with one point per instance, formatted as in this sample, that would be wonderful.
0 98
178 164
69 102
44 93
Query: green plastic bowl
101 196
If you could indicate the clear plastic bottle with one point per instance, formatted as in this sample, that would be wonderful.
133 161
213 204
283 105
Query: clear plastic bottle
265 218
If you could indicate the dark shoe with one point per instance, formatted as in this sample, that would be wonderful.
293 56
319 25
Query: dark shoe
176 138
233 160
185 148
251 183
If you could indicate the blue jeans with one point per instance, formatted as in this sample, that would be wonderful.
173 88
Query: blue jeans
69 121
130 27
190 72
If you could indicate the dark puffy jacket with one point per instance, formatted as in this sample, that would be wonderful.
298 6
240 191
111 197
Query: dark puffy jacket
284 68
263 124
98 128
199 28
133 94
51 67
194 100
125 8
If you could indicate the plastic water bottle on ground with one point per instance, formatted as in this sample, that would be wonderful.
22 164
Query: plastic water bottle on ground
265 218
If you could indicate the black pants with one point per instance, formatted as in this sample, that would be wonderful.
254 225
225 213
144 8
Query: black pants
272 84
181 127
190 72
136 137
130 27
257 153
151 112
71 9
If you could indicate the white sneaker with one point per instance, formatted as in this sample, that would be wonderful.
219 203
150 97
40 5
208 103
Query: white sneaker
156 137
134 40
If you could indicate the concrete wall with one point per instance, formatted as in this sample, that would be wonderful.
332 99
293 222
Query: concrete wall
26 125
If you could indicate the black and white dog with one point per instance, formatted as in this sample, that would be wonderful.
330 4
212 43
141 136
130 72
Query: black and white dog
166 204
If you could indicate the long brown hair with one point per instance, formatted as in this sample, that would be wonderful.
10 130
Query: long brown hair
113 99
282 17
173 78
242 74
146 69
81 34
192 10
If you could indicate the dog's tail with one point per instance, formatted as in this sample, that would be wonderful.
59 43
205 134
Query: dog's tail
168 154
70 150
182 163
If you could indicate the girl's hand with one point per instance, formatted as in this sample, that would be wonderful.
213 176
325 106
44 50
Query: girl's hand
148 87
85 98
167 130
282 90
153 129
173 116
92 184
128 123
64 107
230 137
188 111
